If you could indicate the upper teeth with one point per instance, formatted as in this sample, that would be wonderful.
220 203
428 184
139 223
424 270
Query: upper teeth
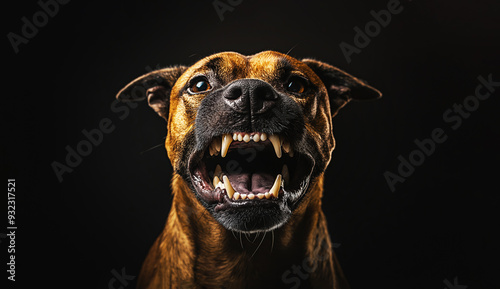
222 144
276 141
226 141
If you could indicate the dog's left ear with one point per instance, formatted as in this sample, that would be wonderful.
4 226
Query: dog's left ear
155 87
341 86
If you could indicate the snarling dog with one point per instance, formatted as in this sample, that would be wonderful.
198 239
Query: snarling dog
249 139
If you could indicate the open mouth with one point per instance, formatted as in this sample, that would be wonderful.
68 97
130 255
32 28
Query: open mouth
249 169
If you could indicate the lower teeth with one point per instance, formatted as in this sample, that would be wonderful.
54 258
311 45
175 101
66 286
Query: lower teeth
225 184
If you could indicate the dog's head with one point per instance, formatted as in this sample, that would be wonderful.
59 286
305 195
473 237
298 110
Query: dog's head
249 133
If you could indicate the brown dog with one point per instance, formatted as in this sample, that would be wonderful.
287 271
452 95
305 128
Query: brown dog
249 138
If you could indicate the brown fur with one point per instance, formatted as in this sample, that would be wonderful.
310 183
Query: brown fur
194 250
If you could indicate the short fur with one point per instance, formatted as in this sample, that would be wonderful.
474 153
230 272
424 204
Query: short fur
201 247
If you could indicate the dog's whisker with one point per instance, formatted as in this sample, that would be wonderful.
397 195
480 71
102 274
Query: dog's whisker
241 241
291 49
272 240
246 236
232 232
256 236
152 148
262 240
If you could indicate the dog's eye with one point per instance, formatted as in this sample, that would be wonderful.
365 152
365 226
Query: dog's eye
199 85
296 84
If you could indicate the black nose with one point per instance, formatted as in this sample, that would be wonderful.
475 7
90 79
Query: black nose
250 96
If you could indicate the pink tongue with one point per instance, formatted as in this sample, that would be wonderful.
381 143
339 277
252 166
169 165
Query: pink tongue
254 183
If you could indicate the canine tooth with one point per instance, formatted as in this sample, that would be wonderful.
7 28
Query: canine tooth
236 195
246 138
260 195
240 138
217 171
286 148
216 145
216 181
243 196
276 186
285 173
226 141
228 187
267 195
251 196
275 140
263 136
256 137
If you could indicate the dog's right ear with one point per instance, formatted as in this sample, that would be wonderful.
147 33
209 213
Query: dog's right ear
155 87
341 86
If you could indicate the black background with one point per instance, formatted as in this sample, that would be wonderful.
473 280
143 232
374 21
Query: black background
441 223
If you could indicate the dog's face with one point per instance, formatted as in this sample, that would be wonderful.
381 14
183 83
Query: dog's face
249 133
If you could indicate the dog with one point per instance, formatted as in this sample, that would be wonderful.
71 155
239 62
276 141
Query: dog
249 139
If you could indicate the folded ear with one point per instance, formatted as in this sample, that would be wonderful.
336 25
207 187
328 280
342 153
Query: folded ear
155 87
341 86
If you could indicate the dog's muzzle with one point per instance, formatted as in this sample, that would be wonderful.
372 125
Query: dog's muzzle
250 165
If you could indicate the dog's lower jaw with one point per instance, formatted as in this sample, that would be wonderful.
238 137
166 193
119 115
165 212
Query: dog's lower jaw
195 251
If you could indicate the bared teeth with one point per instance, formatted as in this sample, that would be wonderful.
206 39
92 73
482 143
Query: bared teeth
214 147
247 137
276 141
228 187
274 191
232 194
222 145
287 148
216 181
217 145
226 141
